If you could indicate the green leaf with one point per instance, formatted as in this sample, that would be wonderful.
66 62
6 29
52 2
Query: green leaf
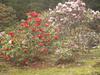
0 46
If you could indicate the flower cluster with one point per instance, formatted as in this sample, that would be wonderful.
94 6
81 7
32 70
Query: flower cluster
92 15
68 14
33 37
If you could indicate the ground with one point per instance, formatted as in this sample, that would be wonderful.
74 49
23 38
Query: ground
88 65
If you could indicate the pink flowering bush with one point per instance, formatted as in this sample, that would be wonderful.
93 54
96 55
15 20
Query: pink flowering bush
76 21
67 15
32 38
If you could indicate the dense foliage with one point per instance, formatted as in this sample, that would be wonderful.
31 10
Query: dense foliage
59 35
34 38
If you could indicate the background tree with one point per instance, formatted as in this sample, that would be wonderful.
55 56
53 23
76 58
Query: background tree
94 4
7 16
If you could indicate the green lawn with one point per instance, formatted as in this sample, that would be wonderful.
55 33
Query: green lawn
87 66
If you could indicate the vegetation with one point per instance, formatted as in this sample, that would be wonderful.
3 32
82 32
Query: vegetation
36 5
64 39
86 66
7 15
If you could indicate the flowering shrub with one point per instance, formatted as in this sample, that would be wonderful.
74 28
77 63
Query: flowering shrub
70 15
77 21
67 15
33 38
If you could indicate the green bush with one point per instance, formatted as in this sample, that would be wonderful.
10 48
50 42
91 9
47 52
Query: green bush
7 16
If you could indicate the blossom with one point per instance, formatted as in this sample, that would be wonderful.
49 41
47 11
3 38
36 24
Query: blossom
65 15
11 34
29 20
41 44
25 24
56 37
11 42
38 20
37 24
33 14
33 29
1 34
41 30
39 36
60 4
46 24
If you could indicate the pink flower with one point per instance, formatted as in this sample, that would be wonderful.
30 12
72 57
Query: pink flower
46 24
40 36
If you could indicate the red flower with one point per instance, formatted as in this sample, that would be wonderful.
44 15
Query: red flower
34 14
47 34
25 24
38 20
56 37
11 34
41 44
41 30
33 29
29 20
44 39
37 24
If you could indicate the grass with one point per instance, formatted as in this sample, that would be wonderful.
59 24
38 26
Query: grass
87 66
76 70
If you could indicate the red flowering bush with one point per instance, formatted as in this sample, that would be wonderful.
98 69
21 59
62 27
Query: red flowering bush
33 37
